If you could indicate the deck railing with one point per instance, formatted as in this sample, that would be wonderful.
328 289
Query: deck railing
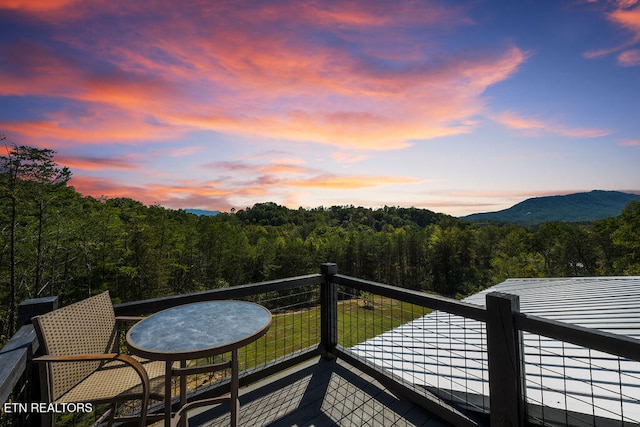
468 364
506 366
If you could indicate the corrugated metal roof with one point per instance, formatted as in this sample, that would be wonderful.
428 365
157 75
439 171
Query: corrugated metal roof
447 354
610 304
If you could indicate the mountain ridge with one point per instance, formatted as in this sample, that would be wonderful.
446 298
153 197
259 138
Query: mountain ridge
202 212
576 207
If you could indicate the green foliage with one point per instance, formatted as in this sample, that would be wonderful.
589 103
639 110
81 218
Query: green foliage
627 237
61 243
31 186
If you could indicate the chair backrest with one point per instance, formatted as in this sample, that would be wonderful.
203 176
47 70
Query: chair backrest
85 327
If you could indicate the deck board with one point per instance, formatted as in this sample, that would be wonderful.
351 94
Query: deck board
319 393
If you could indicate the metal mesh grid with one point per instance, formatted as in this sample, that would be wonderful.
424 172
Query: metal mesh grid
20 395
295 327
577 386
427 350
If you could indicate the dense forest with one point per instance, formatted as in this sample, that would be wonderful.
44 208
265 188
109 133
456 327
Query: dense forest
54 241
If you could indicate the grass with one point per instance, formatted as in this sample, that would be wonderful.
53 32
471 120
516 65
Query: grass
361 319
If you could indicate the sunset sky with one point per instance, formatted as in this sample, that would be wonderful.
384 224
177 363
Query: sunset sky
454 106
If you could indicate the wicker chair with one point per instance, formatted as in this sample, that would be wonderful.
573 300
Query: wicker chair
81 361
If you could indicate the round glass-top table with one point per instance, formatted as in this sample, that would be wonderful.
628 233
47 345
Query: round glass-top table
199 330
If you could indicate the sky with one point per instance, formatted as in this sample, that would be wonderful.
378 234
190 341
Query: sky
454 106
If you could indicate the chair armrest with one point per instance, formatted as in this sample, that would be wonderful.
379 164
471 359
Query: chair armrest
137 366
129 318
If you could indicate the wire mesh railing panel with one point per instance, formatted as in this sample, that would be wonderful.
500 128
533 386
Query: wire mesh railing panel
15 411
295 327
426 350
577 386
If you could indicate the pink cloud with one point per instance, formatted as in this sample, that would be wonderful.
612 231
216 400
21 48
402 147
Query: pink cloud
626 16
288 161
344 157
358 13
379 111
629 58
98 187
175 196
35 5
628 19
65 132
182 151
534 126
515 121
248 74
95 163
351 182
630 143
265 179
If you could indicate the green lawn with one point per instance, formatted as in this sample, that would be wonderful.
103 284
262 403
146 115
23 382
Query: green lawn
357 321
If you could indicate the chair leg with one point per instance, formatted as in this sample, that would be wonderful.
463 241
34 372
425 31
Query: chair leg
143 413
112 415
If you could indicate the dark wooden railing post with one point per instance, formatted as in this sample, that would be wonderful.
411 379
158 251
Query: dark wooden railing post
328 310
504 346
34 307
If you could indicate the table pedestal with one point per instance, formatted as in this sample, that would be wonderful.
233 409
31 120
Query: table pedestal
180 417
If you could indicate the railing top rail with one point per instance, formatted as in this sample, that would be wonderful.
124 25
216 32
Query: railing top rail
15 356
240 291
437 302
595 339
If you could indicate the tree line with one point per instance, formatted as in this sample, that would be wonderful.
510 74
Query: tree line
54 241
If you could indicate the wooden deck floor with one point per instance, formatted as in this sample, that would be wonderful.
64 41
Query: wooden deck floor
319 393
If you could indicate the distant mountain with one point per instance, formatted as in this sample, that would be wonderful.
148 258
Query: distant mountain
202 212
578 207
